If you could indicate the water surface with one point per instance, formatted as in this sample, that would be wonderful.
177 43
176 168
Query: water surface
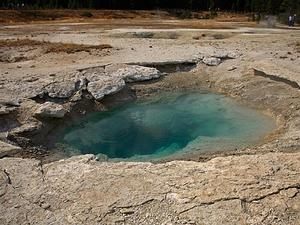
172 124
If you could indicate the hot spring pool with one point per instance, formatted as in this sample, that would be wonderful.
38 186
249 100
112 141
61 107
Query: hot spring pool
168 125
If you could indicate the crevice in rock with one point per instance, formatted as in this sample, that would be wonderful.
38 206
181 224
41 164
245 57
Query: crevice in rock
9 122
297 186
276 78
93 67
243 200
209 203
9 181
8 177
170 67
116 209
44 97
40 165
136 205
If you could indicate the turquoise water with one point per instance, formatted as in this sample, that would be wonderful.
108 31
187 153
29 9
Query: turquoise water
171 124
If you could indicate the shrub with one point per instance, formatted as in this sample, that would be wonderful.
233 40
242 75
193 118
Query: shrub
181 14
143 34
86 14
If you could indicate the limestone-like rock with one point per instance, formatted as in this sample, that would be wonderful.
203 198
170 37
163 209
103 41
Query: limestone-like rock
225 55
80 190
61 89
231 68
8 149
27 127
4 110
7 107
105 86
76 97
211 61
132 73
285 72
51 110
11 102
92 74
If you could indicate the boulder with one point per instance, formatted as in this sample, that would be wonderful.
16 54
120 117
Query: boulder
133 73
211 61
51 110
105 86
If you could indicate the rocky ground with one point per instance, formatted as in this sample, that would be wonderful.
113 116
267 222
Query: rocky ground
41 87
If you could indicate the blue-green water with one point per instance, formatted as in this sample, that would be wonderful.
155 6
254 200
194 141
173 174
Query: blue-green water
171 124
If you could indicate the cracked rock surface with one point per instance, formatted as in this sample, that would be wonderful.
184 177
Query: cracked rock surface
81 190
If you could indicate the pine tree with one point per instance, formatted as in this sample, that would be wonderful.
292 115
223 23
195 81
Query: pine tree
212 5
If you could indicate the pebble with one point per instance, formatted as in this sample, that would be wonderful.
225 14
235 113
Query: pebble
45 206
232 68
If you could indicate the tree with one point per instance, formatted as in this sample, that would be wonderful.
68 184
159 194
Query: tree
263 6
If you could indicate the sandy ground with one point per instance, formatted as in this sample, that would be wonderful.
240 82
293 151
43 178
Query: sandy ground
166 44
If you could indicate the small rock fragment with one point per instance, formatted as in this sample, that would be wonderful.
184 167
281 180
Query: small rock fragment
231 68
290 193
50 110
133 73
211 61
8 149
77 97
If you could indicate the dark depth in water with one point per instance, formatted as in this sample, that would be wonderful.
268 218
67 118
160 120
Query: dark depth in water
173 123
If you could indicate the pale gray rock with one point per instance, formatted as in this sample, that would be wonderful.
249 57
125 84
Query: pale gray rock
4 110
59 89
133 73
225 55
82 83
278 70
81 190
92 74
8 149
231 68
11 102
26 90
51 110
211 61
77 96
27 127
105 86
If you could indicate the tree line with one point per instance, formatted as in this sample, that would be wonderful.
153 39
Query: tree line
263 6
